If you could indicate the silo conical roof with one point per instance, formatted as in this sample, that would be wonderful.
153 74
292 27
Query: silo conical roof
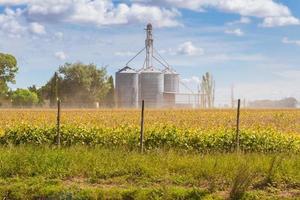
127 70
169 71
150 70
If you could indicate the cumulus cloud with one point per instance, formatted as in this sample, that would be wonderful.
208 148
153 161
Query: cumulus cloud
280 21
12 24
188 48
31 16
37 28
256 8
9 23
162 13
272 12
286 40
13 2
242 20
60 55
100 13
237 32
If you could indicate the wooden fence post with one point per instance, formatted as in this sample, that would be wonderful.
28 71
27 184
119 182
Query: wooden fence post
238 127
142 128
58 122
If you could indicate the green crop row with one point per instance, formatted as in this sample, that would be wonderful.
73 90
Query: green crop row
166 137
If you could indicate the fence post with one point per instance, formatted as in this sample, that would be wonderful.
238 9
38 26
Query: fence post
238 127
58 122
142 128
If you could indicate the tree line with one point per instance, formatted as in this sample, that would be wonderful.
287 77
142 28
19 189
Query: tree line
76 84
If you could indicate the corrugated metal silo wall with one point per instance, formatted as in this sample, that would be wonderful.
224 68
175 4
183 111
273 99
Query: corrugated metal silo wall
171 82
127 89
171 87
151 88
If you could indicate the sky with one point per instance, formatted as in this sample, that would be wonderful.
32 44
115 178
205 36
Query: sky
250 45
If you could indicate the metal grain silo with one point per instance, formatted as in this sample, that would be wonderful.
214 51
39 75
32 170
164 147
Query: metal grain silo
151 84
171 81
127 82
171 87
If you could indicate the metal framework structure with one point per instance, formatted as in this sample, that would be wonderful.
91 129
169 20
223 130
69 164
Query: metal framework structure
159 88
149 47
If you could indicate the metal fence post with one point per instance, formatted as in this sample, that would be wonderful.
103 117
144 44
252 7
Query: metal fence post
142 128
238 127
58 122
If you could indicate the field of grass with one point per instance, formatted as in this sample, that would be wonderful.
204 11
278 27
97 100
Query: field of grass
90 173
189 154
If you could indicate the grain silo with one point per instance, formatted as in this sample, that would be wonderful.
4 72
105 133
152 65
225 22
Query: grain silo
151 85
171 87
171 81
156 87
127 81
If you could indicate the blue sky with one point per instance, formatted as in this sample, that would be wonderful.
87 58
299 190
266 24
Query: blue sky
251 44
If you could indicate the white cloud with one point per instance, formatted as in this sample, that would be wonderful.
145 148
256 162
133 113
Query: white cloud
124 53
280 21
60 55
273 13
242 20
13 2
192 80
9 23
100 12
188 48
96 12
59 35
12 24
245 20
237 32
256 8
285 40
162 13
37 28
159 17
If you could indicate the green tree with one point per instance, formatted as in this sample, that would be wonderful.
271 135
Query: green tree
208 90
24 97
34 89
78 84
110 97
52 90
8 70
